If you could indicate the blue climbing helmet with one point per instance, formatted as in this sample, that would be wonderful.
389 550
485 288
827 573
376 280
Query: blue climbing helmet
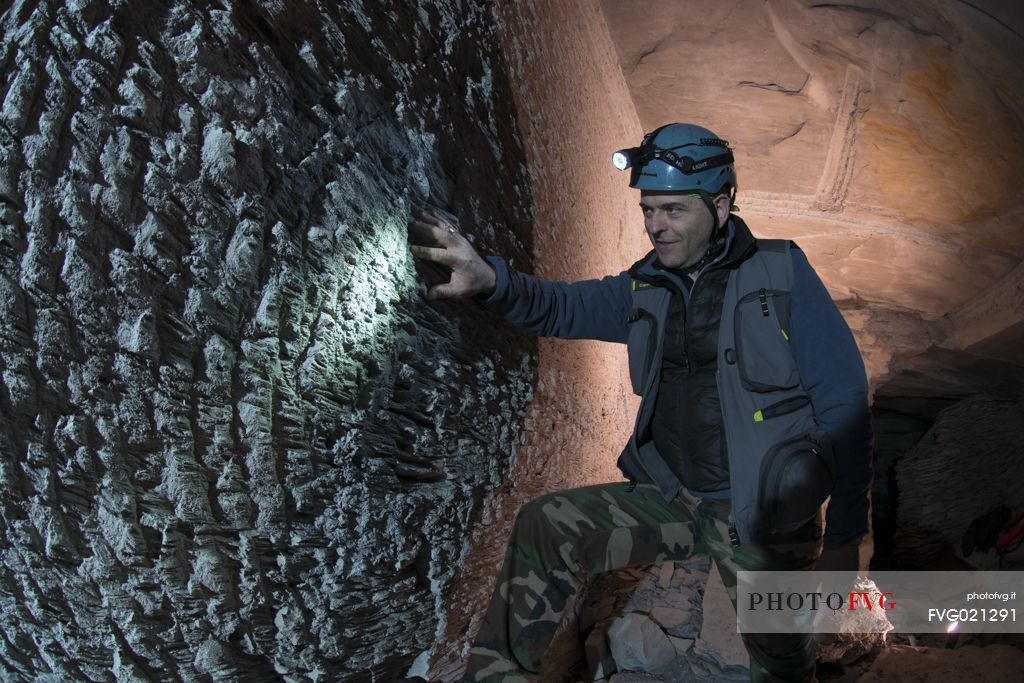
679 156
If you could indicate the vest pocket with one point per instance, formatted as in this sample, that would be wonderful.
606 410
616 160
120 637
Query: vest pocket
641 344
762 345
795 479
783 407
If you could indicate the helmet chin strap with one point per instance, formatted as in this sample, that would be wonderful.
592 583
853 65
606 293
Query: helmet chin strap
717 240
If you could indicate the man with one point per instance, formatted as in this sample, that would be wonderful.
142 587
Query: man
753 409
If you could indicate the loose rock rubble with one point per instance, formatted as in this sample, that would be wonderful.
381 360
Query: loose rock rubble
647 626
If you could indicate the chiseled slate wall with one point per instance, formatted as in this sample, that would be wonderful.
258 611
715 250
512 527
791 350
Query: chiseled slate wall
235 444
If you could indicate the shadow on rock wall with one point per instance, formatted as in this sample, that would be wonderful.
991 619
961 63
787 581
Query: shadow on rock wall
235 442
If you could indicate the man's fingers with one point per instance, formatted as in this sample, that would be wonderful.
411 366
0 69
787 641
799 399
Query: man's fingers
430 217
427 229
444 291
434 227
442 256
437 292
470 275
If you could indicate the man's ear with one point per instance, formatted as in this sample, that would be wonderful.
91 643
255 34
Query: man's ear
722 205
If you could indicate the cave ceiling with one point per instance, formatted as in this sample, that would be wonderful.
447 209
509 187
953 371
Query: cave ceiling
884 138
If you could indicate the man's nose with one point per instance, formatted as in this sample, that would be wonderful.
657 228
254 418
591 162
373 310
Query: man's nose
656 223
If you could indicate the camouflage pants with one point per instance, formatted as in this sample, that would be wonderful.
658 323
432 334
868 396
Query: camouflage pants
563 538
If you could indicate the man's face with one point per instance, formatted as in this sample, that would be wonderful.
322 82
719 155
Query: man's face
679 226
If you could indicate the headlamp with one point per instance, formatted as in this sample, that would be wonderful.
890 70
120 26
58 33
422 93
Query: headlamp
638 157
623 159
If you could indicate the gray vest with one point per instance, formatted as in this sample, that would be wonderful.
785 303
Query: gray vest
780 463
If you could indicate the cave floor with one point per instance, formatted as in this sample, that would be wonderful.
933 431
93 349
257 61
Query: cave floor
903 658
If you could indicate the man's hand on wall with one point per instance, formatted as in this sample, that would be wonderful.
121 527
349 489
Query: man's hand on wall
471 275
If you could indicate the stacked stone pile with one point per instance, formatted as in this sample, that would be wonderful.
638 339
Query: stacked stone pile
673 623
646 625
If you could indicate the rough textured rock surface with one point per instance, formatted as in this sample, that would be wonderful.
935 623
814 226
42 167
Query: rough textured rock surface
884 138
981 440
637 643
899 424
236 445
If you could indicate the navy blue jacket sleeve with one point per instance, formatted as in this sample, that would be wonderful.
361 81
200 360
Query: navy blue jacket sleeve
832 371
590 309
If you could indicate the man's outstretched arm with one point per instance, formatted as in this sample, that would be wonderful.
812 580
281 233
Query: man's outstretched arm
589 309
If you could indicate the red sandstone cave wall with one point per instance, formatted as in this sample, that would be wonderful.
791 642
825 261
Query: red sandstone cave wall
573 111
